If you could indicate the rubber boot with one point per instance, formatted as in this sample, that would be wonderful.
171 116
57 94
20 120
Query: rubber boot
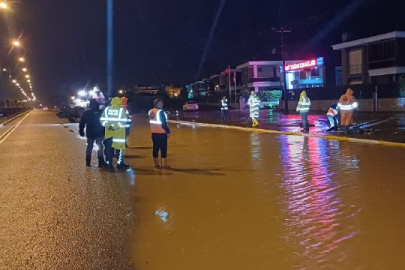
157 165
164 164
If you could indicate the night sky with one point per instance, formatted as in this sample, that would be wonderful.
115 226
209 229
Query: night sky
162 41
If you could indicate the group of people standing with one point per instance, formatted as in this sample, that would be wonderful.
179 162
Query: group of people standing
343 109
109 128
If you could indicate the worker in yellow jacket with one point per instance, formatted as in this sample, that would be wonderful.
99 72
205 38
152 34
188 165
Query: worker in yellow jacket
115 121
303 107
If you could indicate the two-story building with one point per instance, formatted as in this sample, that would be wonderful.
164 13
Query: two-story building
376 59
267 75
261 75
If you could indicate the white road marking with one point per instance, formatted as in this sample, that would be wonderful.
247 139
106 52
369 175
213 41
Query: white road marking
9 132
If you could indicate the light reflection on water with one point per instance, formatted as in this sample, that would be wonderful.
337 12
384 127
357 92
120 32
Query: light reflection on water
312 204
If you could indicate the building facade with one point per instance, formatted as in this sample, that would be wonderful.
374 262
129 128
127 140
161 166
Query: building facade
267 75
376 59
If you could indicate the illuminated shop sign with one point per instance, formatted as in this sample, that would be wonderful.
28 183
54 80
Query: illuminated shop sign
305 64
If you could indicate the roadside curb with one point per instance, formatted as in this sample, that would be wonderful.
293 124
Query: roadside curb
12 119
276 132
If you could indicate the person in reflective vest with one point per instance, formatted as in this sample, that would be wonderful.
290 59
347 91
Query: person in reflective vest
115 121
254 105
224 108
347 104
333 116
160 132
303 108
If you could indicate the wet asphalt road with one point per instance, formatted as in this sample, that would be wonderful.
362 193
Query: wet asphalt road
233 200
54 212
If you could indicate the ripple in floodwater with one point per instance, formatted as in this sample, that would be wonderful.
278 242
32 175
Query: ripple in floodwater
316 222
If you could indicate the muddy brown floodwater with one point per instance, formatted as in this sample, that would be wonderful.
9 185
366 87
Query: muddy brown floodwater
239 200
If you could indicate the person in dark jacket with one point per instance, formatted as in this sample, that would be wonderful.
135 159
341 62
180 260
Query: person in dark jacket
94 132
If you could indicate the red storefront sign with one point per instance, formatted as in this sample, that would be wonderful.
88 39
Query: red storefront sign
306 64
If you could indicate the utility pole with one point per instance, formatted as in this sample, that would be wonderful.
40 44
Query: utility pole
281 30
110 48
229 83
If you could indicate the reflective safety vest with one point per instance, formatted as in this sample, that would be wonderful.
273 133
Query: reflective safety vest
347 104
155 122
254 106
332 112
303 105
115 121
224 105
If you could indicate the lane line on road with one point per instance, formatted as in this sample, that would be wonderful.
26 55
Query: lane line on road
4 137
11 119
277 132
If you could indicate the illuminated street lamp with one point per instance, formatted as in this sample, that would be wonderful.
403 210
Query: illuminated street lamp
3 5
24 69
73 98
4 69
27 76
14 81
16 43
121 91
28 80
21 59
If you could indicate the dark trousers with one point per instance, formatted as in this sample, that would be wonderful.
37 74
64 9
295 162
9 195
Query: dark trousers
109 152
305 123
90 144
224 114
159 144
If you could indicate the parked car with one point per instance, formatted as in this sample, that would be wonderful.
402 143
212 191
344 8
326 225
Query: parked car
72 114
190 106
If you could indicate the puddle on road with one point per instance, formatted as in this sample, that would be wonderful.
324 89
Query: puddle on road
274 202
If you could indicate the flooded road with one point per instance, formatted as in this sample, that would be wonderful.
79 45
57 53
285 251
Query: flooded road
240 200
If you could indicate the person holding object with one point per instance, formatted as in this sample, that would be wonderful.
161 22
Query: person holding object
224 108
94 132
347 104
254 105
115 121
303 108
160 132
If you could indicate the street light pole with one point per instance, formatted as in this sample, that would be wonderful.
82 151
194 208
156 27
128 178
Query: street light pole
2 85
110 48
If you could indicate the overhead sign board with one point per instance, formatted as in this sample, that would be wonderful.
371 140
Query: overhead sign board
305 64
